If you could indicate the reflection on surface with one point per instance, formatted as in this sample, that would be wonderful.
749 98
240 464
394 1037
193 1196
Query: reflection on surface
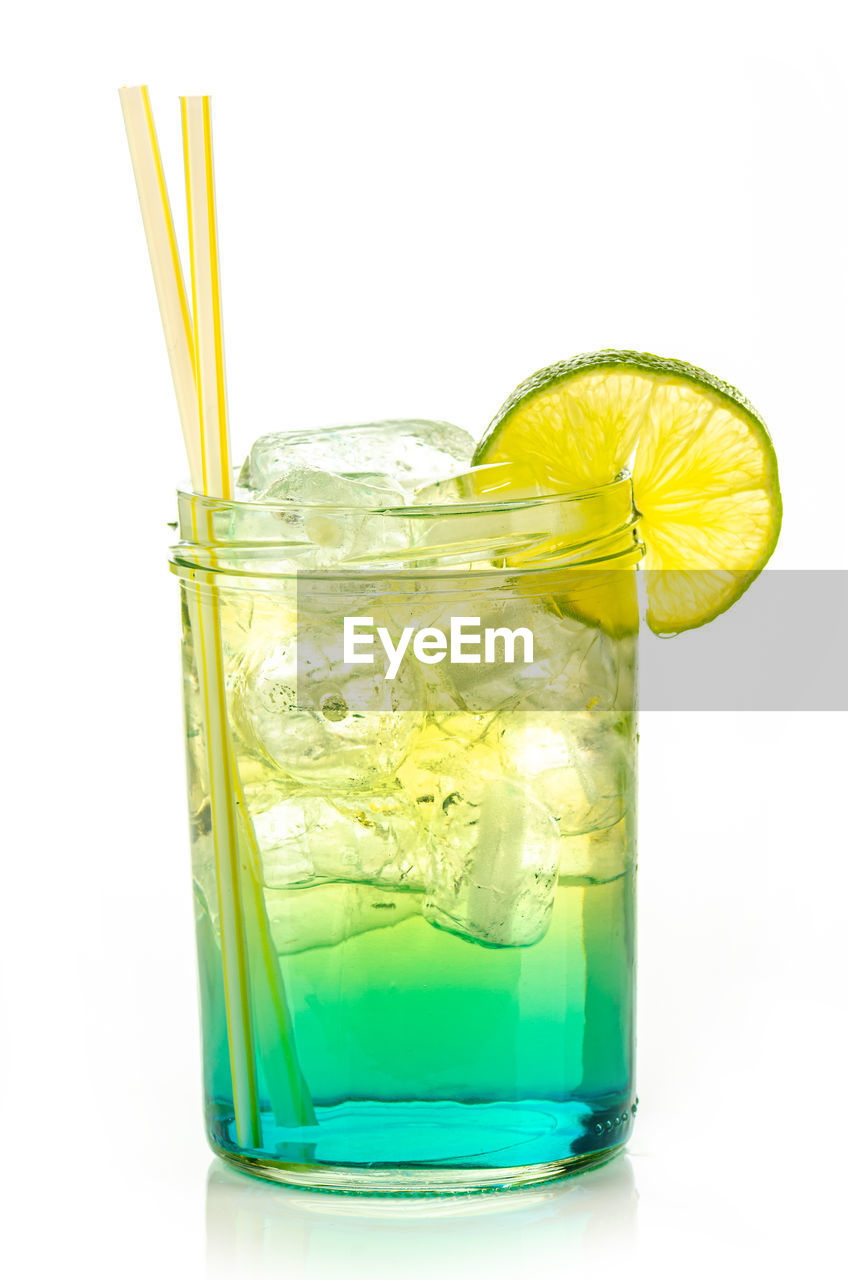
255 1228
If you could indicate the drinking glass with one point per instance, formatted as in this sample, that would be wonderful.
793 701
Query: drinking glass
413 875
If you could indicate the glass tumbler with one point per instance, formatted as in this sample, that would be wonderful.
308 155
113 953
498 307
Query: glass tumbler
410 743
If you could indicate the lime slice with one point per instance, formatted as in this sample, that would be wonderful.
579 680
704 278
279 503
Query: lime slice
703 466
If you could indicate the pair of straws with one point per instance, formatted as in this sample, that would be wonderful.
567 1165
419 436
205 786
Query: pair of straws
258 1022
195 350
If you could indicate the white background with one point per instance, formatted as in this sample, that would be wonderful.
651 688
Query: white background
419 206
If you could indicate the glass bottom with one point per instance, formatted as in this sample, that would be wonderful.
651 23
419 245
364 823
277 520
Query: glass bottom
421 1148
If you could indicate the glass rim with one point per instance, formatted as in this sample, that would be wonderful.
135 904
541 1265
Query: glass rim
238 539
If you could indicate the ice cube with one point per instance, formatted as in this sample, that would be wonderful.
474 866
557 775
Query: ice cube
596 673
330 913
579 764
494 847
448 760
296 703
410 452
334 536
496 864
490 482
483 687
304 838
303 484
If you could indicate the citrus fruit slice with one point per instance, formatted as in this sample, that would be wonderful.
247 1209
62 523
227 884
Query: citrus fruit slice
703 466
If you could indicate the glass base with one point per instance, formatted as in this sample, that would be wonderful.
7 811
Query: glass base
429 1148
401 1181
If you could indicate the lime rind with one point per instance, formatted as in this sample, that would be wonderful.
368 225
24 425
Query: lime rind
609 358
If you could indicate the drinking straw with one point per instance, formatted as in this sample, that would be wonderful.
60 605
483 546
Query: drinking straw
240 1033
165 261
284 1079
249 928
243 919
246 945
206 296
164 257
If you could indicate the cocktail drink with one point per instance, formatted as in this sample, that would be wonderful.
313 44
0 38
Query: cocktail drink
442 851
409 688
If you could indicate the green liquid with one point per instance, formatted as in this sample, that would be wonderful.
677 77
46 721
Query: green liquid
418 1046
416 989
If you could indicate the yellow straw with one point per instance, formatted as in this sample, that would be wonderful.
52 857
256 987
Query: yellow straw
215 468
165 261
206 296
